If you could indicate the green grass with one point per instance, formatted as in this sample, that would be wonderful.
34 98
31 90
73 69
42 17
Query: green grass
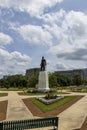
79 89
40 93
50 107
62 93
12 89
2 94
34 94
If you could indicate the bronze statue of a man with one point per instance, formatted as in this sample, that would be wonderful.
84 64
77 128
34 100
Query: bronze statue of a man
43 64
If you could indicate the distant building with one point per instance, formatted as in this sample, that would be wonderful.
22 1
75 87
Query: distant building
72 73
32 71
5 76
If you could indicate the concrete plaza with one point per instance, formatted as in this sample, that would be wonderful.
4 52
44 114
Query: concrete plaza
69 119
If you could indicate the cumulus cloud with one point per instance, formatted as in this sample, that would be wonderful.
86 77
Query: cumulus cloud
33 7
4 39
75 23
71 34
54 18
79 54
35 35
13 63
60 66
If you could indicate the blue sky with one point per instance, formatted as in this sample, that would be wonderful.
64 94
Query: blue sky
55 29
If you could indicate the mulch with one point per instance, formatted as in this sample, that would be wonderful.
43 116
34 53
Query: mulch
3 109
37 112
84 125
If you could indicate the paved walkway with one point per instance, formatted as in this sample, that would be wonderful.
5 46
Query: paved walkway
16 108
74 116
70 119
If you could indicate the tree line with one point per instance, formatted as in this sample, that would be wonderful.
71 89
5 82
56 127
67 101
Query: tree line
55 80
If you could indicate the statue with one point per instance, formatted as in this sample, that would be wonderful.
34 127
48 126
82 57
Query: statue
43 82
43 64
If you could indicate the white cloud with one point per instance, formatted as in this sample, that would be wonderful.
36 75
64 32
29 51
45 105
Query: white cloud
4 39
35 35
33 7
54 18
60 66
13 63
71 35
75 23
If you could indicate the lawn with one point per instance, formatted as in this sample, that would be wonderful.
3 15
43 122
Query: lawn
13 89
81 89
39 93
3 94
50 107
36 93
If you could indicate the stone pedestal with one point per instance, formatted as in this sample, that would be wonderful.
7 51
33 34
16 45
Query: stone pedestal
43 81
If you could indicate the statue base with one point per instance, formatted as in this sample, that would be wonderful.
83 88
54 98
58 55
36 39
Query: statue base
43 82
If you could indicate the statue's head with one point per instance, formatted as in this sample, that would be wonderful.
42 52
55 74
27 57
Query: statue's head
42 57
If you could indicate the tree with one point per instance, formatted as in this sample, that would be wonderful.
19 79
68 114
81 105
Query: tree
52 80
56 79
63 80
33 81
14 81
77 80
